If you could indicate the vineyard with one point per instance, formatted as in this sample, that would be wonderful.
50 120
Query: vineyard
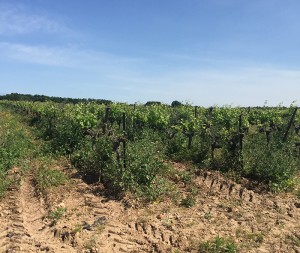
135 149
125 145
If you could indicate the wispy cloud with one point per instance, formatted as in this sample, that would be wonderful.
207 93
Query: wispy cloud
34 54
18 20
68 56
242 83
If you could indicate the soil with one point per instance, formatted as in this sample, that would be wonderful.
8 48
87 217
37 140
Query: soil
94 222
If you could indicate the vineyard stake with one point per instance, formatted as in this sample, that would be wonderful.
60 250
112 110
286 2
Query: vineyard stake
107 110
290 124
196 112
241 137
124 141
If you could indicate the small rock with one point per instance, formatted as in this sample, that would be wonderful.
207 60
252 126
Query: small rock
100 221
297 204
62 205
160 216
86 226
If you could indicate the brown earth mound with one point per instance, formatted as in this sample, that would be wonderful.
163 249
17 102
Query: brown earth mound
78 217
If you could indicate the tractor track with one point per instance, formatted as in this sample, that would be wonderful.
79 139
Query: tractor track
22 226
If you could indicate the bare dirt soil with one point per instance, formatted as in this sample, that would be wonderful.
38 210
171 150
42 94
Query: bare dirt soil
88 221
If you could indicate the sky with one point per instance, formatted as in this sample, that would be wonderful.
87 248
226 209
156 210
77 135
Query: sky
201 52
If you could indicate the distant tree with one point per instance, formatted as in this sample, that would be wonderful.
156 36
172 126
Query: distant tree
43 98
176 103
152 103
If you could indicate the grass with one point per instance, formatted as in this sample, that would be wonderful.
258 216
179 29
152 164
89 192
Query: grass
90 244
189 201
252 239
293 239
19 148
207 216
4 184
218 245
15 146
57 214
47 177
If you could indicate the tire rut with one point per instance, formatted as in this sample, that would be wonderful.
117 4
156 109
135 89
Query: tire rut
217 185
22 226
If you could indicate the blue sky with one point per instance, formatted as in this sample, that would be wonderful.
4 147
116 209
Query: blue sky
204 52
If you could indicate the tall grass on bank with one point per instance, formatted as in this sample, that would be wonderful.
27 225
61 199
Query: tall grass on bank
14 146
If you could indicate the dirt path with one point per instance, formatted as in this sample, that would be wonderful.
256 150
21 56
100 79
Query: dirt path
21 223
95 223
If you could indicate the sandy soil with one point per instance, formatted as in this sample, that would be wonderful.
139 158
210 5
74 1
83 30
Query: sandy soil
92 222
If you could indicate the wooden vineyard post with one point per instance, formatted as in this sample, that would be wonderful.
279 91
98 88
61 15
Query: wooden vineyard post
196 112
268 136
241 137
240 132
290 124
190 136
107 111
124 140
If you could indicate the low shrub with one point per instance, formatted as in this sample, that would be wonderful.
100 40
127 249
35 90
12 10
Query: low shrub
274 164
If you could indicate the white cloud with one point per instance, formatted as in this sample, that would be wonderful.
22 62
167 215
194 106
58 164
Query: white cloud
18 20
69 56
33 54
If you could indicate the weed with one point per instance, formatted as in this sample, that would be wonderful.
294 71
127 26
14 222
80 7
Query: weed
293 239
49 177
99 228
15 145
89 245
57 214
78 228
207 216
186 177
167 223
256 237
4 184
188 201
159 189
218 245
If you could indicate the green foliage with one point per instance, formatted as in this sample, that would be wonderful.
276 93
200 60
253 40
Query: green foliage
218 245
274 164
4 184
47 177
177 148
93 136
186 177
14 146
297 193
188 201
68 136
144 162
57 214
97 159
42 98
176 103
